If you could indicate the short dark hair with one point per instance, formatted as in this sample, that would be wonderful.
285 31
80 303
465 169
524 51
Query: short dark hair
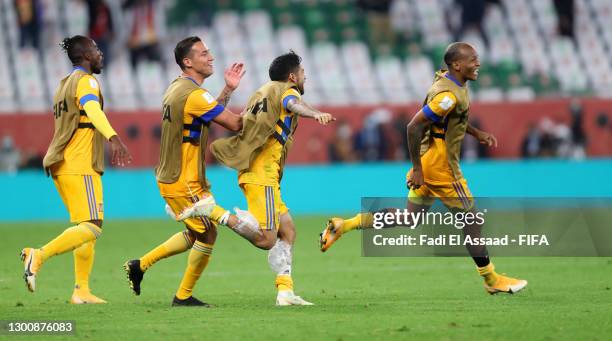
283 65
75 47
183 48
454 52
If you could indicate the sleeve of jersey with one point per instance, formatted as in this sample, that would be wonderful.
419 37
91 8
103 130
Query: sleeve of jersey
289 95
203 106
88 89
440 106
98 119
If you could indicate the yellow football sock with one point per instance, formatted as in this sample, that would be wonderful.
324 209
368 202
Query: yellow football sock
178 243
217 213
196 263
361 220
284 283
488 273
70 239
83 263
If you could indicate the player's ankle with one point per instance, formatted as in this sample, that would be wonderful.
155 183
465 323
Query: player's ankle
81 289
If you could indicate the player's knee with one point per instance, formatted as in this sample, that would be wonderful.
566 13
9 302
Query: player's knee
210 236
265 242
287 229
288 236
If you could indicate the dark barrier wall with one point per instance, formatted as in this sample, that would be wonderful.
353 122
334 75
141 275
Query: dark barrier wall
508 121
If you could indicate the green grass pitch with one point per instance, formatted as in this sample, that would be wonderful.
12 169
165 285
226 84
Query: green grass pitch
355 297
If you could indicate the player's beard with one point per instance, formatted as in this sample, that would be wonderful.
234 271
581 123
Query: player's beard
97 69
97 66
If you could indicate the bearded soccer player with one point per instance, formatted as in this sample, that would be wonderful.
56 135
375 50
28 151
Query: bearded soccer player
75 160
258 153
188 111
435 134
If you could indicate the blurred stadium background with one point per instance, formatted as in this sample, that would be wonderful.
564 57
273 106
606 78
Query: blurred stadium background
545 85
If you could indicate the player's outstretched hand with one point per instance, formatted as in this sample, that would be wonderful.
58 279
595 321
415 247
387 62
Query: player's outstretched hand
488 139
324 118
120 154
415 179
233 75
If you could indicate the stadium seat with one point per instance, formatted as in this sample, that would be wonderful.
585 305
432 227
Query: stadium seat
32 92
255 31
56 66
7 91
151 84
260 37
493 94
10 22
520 94
292 38
75 14
332 74
391 77
122 86
362 82
420 72
431 23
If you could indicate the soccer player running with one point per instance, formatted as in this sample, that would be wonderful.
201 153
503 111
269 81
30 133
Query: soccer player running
188 111
435 134
258 153
75 160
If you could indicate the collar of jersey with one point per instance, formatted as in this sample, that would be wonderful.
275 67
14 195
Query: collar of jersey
449 76
191 79
79 68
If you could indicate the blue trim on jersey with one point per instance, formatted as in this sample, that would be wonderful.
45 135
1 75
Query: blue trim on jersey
79 68
195 133
430 114
87 98
191 79
287 122
449 76
286 101
211 114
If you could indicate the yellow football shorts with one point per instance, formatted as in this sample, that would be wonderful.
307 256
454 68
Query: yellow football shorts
179 203
265 203
452 194
82 196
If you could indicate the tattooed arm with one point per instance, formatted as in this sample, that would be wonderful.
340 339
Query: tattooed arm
232 76
299 107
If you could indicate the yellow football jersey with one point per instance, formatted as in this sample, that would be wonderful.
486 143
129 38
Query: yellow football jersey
78 152
200 108
440 106
265 168
435 161
440 180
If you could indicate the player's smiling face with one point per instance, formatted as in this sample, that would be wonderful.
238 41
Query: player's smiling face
200 59
471 66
